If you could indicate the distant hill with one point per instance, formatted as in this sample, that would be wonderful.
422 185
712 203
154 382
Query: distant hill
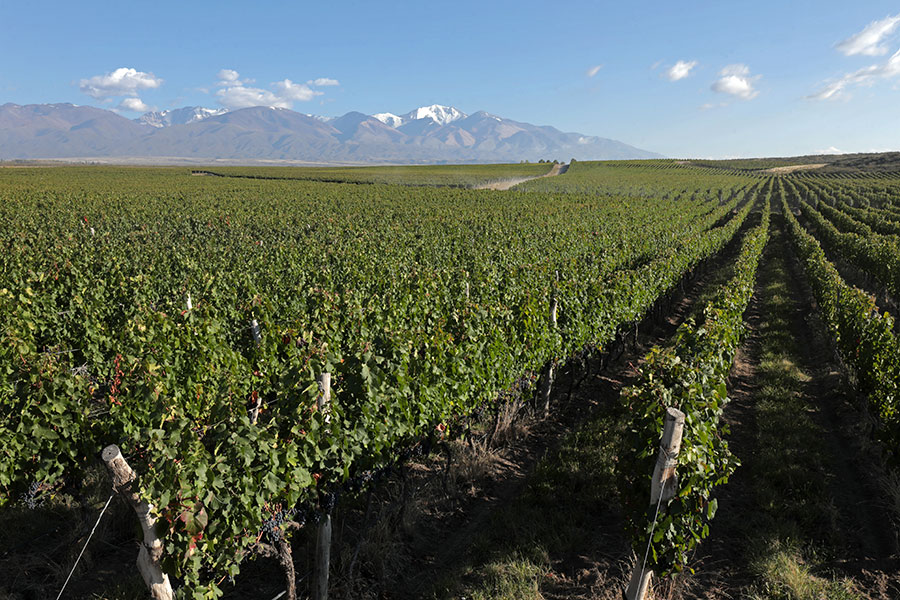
430 134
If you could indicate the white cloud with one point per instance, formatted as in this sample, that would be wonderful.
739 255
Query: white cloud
133 105
712 105
229 77
245 97
121 82
868 42
288 90
282 95
323 81
594 70
679 70
737 81
865 76
830 150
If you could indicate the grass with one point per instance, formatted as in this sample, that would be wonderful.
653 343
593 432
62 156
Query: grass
793 527
785 575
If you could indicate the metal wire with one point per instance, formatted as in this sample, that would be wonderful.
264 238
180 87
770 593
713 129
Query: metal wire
671 460
649 540
80 554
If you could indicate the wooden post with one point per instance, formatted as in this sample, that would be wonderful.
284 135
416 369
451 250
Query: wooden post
188 303
323 557
665 480
254 412
151 549
547 382
467 290
639 584
662 488
323 535
254 329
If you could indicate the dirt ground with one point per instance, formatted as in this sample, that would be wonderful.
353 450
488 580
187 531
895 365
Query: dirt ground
506 184
793 169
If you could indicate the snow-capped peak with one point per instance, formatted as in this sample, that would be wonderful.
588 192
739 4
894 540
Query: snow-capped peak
442 115
179 116
389 119
439 114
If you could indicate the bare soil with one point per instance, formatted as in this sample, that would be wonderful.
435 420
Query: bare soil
793 169
506 184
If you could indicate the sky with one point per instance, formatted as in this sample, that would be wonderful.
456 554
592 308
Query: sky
686 79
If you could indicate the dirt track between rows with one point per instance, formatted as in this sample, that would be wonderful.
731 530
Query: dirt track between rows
558 169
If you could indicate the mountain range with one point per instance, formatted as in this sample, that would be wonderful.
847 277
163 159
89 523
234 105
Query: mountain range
429 134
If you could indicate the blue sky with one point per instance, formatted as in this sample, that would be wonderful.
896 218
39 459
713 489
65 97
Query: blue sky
689 79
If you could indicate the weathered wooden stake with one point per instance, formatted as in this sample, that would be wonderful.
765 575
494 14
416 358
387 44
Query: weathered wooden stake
665 480
151 549
467 290
254 412
323 556
546 386
323 535
254 329
547 382
188 303
662 488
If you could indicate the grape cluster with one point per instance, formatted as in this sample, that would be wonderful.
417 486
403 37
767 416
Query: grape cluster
272 526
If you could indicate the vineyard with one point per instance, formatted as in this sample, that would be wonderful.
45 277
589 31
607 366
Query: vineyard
263 370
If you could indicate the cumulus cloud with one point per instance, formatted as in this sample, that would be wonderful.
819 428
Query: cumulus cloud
288 90
679 70
234 94
594 70
869 41
736 81
323 81
245 97
133 105
121 82
229 77
865 76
